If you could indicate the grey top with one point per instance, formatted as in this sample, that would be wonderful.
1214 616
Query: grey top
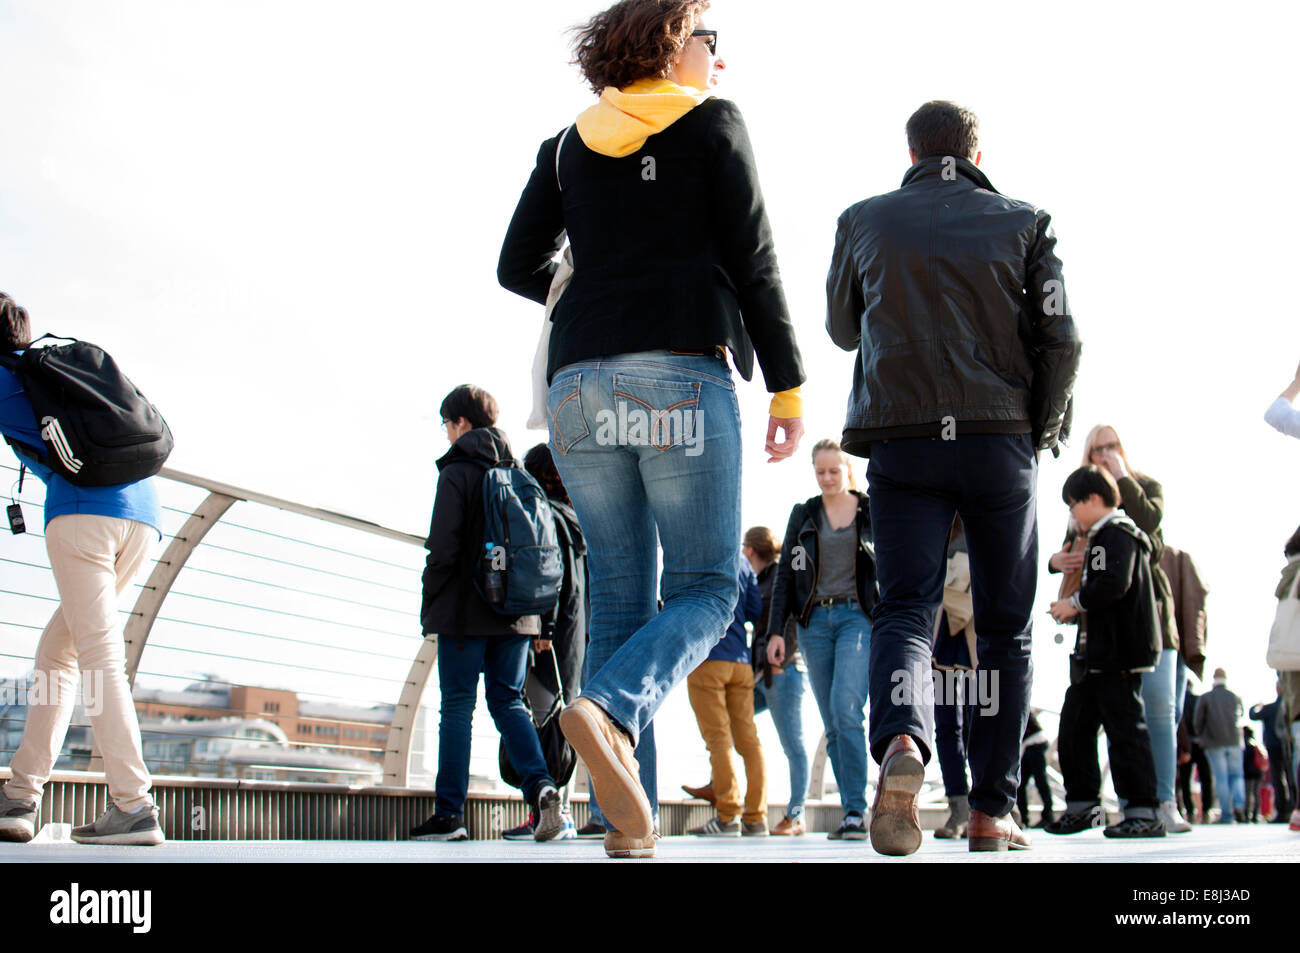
838 555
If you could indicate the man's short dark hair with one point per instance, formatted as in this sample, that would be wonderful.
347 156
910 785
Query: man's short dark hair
1293 544
1086 481
473 403
15 329
943 128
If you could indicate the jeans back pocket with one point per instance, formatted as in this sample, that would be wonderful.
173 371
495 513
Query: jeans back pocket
564 407
654 413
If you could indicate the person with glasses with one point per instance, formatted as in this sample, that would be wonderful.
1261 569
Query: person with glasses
656 190
1142 500
1120 642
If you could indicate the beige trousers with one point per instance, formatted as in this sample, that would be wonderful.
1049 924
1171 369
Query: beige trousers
94 559
722 696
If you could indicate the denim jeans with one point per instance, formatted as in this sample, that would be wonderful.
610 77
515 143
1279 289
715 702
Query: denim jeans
785 700
1229 777
1159 697
836 646
503 660
916 487
648 447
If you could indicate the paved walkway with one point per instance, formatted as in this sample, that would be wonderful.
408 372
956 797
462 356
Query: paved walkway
1257 843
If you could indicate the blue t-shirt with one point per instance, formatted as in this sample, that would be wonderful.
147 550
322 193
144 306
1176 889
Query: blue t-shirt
734 646
133 501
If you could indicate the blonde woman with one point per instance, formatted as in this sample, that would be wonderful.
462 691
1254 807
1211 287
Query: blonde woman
826 580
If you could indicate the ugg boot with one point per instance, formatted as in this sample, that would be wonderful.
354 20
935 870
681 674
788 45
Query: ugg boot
958 819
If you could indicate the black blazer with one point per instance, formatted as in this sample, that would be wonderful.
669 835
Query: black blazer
671 248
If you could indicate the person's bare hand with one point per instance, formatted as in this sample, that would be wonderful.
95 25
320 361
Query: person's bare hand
541 645
776 650
1062 611
1066 561
1115 464
792 428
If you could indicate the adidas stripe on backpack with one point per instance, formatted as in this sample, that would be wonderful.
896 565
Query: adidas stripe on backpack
97 429
522 569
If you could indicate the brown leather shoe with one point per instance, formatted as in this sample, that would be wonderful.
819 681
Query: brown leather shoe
895 819
986 832
614 772
704 794
790 827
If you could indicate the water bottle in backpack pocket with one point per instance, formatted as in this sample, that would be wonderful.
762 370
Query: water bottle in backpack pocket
521 551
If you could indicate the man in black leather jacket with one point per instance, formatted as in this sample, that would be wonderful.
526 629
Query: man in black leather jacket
953 297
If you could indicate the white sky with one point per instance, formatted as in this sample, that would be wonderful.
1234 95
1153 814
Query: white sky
284 220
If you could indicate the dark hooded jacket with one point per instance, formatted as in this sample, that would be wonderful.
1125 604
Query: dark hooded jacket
1123 630
452 605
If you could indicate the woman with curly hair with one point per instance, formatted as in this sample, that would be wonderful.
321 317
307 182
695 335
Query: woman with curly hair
674 267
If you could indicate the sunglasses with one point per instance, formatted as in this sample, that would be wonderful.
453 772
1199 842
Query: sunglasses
710 40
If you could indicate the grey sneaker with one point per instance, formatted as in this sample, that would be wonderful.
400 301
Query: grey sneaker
17 819
717 827
851 828
549 818
116 827
757 829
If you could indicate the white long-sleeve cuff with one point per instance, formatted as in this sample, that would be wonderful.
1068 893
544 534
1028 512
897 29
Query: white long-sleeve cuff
1284 418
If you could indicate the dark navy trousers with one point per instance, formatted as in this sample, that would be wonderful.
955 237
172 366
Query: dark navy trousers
917 485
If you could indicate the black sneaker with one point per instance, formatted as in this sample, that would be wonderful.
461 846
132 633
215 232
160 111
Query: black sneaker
524 831
851 828
1137 827
440 827
591 831
1072 822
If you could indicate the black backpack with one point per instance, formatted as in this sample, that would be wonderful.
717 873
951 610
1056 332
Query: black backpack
97 429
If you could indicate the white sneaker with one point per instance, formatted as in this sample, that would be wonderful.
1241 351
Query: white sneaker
1173 821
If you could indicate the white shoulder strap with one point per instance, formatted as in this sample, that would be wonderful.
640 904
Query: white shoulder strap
558 146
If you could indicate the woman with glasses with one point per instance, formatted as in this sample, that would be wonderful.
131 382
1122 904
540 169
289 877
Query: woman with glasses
1142 499
673 266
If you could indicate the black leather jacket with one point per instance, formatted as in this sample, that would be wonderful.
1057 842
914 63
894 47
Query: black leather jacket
800 568
953 297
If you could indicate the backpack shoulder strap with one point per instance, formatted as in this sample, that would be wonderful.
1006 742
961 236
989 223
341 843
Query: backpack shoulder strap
558 146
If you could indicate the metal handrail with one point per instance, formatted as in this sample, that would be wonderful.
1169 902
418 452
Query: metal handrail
209 512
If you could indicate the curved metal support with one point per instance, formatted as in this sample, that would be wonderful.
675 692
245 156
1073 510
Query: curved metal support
145 610
397 754
817 777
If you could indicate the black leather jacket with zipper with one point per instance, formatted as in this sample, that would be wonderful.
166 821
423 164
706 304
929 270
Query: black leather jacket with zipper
800 567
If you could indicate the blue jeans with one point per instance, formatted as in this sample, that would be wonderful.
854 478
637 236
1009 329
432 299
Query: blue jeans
648 447
1160 698
785 700
917 485
837 648
503 660
1229 777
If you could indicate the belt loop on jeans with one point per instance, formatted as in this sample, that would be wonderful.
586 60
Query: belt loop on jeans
837 601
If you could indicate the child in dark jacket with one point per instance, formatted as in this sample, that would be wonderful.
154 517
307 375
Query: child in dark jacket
1119 639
